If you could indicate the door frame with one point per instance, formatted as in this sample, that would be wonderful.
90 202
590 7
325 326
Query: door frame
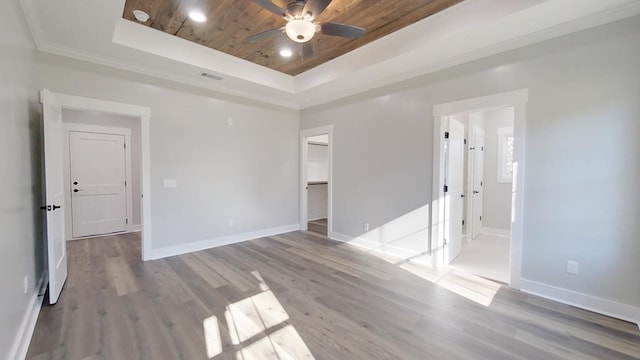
517 99
471 168
304 156
95 129
143 114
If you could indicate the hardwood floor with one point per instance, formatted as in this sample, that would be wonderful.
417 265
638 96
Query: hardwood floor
301 296
318 226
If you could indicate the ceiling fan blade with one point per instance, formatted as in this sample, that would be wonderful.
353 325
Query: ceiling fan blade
307 50
264 35
341 30
268 5
315 8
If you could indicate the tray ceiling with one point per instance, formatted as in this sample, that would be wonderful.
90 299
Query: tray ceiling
229 22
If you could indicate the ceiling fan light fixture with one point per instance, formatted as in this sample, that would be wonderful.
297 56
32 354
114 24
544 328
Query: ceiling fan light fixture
300 30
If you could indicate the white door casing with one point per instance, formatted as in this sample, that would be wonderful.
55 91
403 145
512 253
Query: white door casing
98 177
477 196
454 181
54 190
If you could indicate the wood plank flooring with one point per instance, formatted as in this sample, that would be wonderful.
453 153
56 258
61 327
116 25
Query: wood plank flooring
318 226
301 296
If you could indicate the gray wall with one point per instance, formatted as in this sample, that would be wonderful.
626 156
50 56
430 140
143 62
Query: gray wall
223 172
21 244
582 198
111 120
496 206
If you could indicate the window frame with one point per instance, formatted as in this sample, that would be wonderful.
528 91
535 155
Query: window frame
502 174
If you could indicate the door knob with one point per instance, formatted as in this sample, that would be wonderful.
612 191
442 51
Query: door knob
55 207
75 183
75 190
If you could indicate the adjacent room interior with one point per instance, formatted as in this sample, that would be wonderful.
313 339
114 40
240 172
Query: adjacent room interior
314 179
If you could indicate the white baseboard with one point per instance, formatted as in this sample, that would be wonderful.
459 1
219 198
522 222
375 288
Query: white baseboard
27 326
220 241
136 228
384 249
496 232
588 302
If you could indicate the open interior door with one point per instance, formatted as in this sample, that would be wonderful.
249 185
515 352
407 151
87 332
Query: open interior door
56 246
454 173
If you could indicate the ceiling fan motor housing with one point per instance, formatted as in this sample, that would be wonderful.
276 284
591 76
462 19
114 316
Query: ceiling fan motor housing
294 9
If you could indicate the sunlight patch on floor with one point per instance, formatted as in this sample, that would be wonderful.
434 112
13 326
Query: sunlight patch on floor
472 287
257 327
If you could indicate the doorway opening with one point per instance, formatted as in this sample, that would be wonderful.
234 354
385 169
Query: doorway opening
315 180
57 193
484 204
102 168
478 184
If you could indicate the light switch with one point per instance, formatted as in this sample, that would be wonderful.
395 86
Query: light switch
170 183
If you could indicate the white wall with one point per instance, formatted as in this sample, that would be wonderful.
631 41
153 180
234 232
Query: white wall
582 198
317 162
496 212
21 243
223 172
111 120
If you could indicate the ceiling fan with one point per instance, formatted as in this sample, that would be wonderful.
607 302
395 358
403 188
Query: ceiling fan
300 27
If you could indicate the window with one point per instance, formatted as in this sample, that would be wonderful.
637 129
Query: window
505 154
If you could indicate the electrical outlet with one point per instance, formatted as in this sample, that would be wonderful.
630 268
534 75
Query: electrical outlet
366 226
26 284
573 267
230 222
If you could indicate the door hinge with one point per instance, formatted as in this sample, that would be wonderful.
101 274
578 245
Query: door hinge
125 145
445 241
125 183
480 217
462 222
480 183
446 188
482 148
126 221
446 134
465 141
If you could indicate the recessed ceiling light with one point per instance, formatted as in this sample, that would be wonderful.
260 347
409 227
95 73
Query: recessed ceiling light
140 15
286 52
197 16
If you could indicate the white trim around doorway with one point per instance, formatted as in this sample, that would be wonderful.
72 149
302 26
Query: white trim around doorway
304 134
517 99
144 115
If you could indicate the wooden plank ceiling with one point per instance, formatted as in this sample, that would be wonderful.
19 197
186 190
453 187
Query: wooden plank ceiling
229 22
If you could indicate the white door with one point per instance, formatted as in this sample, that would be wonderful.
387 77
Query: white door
478 181
56 246
454 173
98 183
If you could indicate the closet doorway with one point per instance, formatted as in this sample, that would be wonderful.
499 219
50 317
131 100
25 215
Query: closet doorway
315 175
